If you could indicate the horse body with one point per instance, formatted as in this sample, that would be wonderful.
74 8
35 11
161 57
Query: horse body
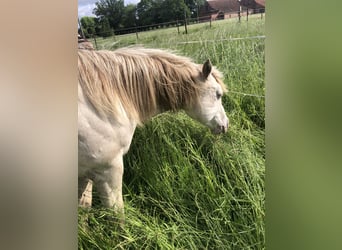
120 90
102 142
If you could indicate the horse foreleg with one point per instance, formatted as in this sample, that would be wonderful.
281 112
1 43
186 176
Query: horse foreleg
85 187
109 185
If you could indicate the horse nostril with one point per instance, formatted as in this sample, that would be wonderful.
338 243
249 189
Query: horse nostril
222 129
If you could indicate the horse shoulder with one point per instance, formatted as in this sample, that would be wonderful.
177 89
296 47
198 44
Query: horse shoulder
100 140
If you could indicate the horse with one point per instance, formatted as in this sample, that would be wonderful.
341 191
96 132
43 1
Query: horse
122 89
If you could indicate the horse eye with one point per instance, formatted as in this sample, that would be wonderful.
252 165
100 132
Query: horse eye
218 95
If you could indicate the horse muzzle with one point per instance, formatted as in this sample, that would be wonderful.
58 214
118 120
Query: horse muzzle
220 129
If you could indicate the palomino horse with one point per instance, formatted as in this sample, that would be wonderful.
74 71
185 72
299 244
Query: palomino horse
119 90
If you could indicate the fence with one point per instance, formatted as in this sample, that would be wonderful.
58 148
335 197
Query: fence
184 22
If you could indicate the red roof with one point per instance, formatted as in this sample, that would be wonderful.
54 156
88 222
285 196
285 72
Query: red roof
223 5
211 7
253 4
260 2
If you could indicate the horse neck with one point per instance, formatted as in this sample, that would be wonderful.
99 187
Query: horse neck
167 91
160 108
167 101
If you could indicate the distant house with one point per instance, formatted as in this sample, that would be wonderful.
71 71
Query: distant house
257 6
222 9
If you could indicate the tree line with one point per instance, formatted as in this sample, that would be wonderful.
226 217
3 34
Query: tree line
113 15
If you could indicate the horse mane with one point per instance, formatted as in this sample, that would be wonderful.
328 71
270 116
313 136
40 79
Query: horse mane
138 81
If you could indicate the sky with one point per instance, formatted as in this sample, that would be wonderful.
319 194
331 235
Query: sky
85 7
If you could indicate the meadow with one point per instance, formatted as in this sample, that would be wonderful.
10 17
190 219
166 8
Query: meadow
185 188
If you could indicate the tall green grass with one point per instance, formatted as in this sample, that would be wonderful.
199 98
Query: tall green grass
185 188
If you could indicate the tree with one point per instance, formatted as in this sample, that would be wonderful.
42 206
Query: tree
172 10
194 6
103 28
146 12
112 10
88 26
129 16
159 11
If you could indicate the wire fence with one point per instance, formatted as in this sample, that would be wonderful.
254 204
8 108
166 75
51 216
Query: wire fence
239 15
245 94
226 39
188 21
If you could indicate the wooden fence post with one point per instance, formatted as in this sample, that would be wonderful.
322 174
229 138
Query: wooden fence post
185 26
95 41
239 12
177 26
79 24
136 32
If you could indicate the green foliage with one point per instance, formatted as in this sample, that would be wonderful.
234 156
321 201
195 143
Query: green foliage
194 6
185 188
129 17
160 11
112 10
103 28
172 10
96 27
88 26
148 12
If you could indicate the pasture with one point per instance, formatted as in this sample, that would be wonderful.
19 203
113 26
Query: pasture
185 188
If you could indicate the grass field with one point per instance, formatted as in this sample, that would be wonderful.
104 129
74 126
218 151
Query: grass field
185 188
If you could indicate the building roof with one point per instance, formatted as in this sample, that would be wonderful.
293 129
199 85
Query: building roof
222 5
253 4
213 7
232 5
260 2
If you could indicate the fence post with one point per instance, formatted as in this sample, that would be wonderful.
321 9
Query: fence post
239 12
210 21
79 24
136 32
95 41
177 26
247 14
186 28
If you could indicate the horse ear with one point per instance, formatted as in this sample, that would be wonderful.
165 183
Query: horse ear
206 70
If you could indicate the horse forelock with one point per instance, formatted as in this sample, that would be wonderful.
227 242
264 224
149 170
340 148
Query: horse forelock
219 78
139 81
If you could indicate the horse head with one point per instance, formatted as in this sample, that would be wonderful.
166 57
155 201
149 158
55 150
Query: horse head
207 107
